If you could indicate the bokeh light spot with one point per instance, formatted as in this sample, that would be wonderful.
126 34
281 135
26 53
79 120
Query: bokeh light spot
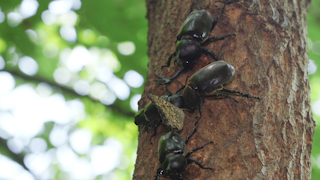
68 19
28 8
66 157
107 97
119 87
68 33
78 58
14 19
48 18
62 75
44 89
97 89
60 6
312 67
28 65
80 140
110 152
38 145
50 50
110 59
2 16
38 163
82 87
81 169
15 145
32 34
133 78
126 48
7 82
316 107
2 63
104 73
12 170
134 102
58 136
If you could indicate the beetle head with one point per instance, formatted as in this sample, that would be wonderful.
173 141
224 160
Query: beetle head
188 50
191 98
139 118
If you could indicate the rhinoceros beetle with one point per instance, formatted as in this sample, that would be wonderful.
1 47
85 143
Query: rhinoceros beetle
209 82
172 157
150 114
192 37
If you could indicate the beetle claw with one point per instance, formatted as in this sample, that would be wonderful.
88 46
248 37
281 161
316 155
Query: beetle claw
162 80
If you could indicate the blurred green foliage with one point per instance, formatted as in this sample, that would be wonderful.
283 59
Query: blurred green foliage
313 22
100 26
103 25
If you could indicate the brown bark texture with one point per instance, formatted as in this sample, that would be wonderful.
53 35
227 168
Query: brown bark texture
252 139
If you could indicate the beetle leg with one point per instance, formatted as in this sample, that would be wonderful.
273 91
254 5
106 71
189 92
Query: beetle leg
182 87
240 93
177 62
164 81
169 60
155 130
190 160
169 92
214 23
197 148
209 52
196 124
190 135
213 39
200 107
224 95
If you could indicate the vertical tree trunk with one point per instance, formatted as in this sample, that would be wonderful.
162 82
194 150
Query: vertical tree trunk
267 139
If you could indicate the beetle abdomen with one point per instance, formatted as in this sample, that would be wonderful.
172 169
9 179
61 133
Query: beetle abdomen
211 77
197 24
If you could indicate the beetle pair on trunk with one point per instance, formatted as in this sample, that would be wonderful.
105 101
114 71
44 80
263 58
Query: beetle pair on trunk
192 37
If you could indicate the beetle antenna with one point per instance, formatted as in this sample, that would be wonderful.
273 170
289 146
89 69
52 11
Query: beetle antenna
224 95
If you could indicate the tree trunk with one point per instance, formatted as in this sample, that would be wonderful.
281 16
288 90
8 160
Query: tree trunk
267 139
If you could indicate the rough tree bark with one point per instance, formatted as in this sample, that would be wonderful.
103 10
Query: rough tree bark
270 139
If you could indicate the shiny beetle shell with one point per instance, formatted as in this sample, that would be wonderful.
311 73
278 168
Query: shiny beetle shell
188 50
211 77
197 25
170 143
175 164
176 99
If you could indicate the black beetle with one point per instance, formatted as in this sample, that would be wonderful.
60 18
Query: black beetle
209 82
167 106
148 116
171 150
193 35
